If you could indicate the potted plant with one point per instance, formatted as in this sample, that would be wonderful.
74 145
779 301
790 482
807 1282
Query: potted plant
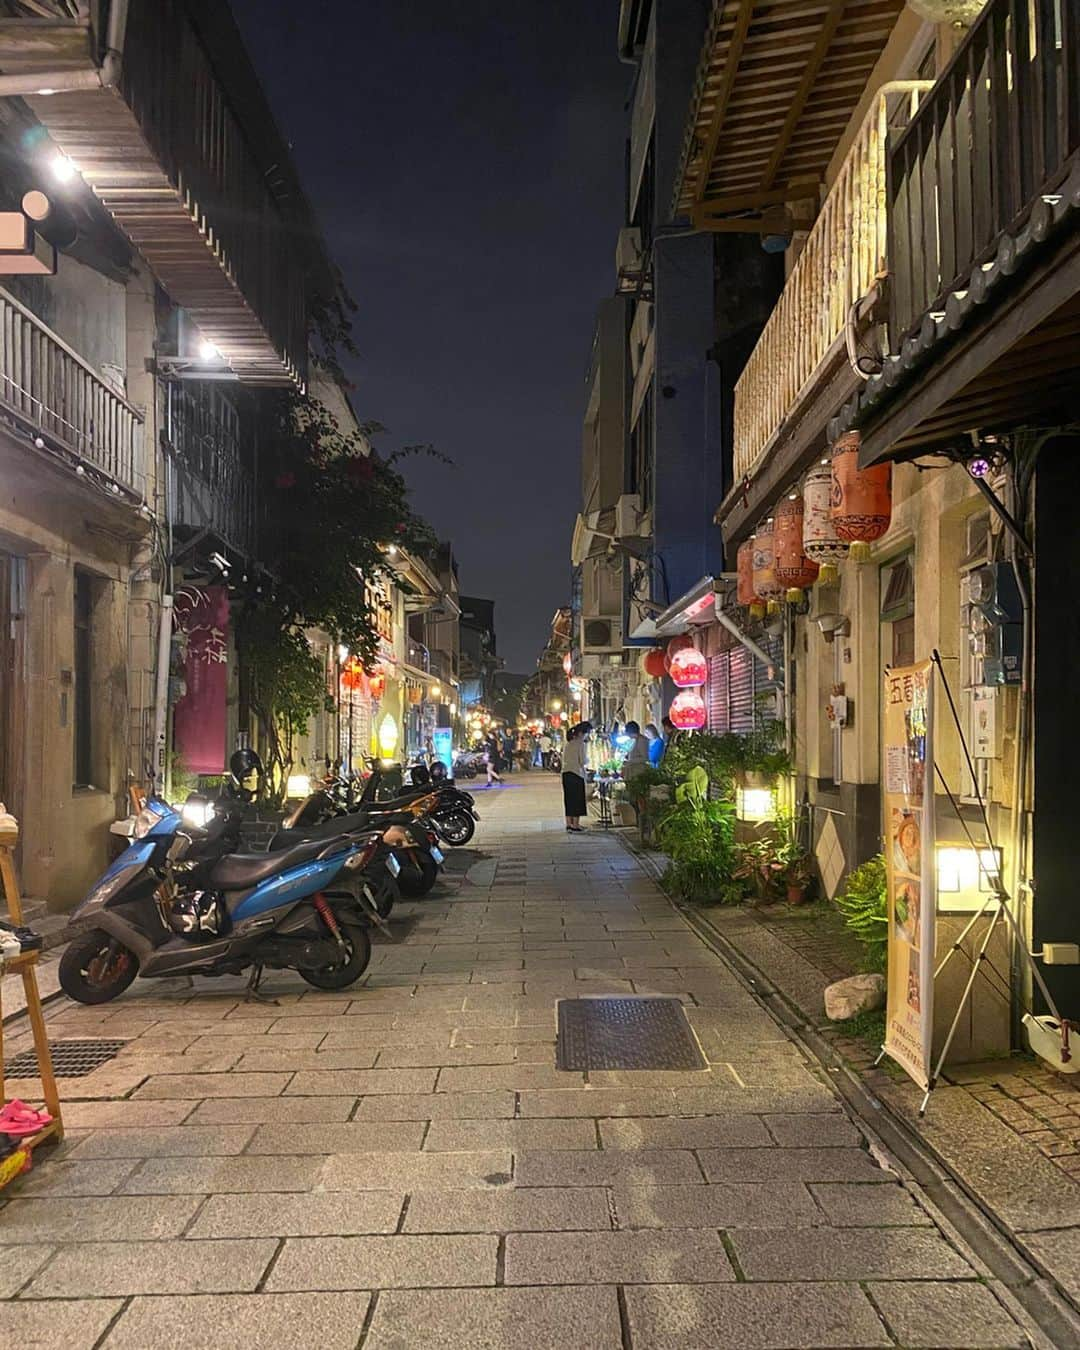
797 874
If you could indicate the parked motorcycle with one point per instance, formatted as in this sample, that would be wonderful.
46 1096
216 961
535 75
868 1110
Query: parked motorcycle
449 811
176 902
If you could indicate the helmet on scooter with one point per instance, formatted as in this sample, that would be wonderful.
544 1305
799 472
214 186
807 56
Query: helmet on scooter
243 763
197 914
438 772
420 775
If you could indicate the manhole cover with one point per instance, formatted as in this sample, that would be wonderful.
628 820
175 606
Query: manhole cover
70 1059
625 1033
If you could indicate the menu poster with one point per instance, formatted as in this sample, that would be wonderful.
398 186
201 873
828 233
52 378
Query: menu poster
908 726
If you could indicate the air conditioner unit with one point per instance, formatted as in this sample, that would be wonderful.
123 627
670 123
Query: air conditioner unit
628 516
599 634
629 260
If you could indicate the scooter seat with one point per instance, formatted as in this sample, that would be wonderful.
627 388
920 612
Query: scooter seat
237 871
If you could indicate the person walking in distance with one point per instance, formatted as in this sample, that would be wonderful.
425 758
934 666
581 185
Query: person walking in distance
491 760
546 747
573 776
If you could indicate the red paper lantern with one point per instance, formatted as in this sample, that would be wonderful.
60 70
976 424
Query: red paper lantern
568 663
793 569
352 675
678 644
654 663
744 565
861 498
377 683
687 711
767 589
688 668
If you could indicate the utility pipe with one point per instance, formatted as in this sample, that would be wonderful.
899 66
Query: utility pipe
749 643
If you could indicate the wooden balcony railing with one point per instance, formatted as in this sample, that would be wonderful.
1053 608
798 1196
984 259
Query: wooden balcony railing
60 399
997 131
843 258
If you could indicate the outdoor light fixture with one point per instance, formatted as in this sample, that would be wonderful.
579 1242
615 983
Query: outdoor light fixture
436 691
62 168
979 467
388 736
755 804
208 352
342 653
298 785
966 876
556 704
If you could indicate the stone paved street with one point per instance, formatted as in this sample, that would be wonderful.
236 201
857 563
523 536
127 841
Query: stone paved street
402 1164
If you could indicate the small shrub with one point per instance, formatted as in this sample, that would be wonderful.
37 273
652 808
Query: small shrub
698 834
863 904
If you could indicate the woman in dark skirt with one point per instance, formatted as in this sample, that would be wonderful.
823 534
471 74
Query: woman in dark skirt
573 778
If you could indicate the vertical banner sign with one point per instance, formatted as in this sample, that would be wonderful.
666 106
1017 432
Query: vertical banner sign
199 729
908 751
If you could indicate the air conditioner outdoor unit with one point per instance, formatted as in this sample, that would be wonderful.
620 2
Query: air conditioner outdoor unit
629 261
628 516
599 634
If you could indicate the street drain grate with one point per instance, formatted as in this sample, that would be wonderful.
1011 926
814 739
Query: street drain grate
70 1059
625 1033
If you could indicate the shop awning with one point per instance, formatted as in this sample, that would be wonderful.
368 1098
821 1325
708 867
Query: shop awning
695 606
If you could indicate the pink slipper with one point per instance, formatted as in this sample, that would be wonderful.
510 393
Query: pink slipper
19 1120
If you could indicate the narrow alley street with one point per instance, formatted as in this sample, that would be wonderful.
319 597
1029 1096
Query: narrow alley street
402 1164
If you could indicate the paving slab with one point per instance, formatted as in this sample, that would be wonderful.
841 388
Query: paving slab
437 1106
300 1321
792 1164
964 1316
180 1141
861 1206
509 1210
414 1171
208 1176
645 1167
813 1131
690 1132
753 1317
774 1204
497 1319
187 1266
399 1262
199 1085
268 1110
72 1178
848 1254
360 1082
463 1135
337 1137
19 1264
645 1257
95 1218
336 1214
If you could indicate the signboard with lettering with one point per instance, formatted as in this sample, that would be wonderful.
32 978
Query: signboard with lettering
908 764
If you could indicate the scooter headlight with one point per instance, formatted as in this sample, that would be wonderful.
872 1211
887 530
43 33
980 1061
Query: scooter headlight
198 811
145 822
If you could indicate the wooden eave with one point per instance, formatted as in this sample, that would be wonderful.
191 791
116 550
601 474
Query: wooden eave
777 84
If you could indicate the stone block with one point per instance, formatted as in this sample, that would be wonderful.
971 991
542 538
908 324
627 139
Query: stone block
689 1256
437 1106
792 1164
848 1254
685 1132
508 1210
414 1171
645 1167
75 1325
509 1319
223 1322
185 1266
775 1204
398 1262
339 1214
207 1176
456 1136
95 1218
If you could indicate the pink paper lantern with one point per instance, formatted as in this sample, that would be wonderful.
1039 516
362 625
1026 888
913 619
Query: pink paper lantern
688 668
688 711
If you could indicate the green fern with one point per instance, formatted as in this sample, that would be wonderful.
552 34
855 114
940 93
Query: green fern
863 904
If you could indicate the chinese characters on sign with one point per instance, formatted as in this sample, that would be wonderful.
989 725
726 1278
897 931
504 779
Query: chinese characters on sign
907 726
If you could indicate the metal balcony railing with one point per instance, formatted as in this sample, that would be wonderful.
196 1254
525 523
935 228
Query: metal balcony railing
998 130
52 392
843 258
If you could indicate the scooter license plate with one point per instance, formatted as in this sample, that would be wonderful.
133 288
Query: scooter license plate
437 853
392 865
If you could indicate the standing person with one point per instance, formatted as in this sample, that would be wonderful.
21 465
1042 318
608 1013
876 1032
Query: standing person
671 733
491 760
656 743
573 776
546 747
637 757
508 750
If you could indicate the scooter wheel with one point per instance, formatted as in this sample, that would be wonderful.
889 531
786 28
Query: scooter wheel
419 872
457 829
96 968
341 976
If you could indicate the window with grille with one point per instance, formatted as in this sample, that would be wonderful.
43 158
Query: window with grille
739 691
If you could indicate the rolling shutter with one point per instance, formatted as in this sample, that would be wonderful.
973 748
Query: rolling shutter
716 694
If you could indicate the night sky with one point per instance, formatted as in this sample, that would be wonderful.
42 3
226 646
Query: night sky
466 164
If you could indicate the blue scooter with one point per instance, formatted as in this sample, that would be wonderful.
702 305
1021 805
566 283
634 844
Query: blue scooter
162 910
